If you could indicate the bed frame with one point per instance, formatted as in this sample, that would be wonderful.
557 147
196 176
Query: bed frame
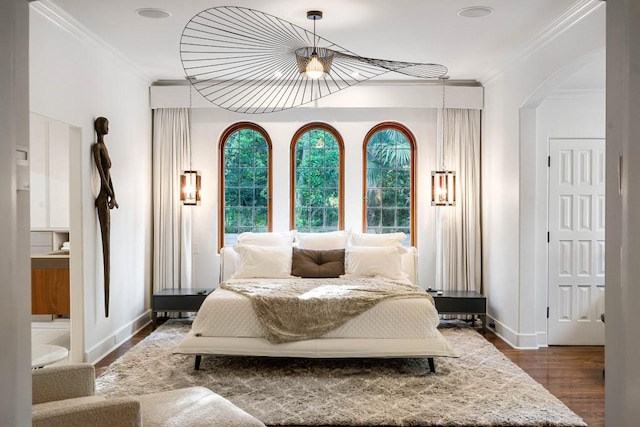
317 348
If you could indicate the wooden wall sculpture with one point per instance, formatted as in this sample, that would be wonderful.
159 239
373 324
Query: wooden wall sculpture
106 199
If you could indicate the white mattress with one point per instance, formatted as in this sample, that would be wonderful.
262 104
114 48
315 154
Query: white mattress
228 314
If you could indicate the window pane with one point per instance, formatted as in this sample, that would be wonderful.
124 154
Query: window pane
317 181
388 182
374 218
246 178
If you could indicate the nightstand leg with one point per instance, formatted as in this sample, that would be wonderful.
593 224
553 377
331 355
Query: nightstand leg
154 320
483 319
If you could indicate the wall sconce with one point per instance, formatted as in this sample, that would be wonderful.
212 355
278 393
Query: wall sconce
190 188
443 188
443 182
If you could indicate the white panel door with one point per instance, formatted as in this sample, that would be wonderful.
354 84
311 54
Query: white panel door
576 241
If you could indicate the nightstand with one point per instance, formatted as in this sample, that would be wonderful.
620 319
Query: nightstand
177 300
462 302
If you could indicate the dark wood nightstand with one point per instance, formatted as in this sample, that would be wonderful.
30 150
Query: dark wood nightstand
177 300
462 302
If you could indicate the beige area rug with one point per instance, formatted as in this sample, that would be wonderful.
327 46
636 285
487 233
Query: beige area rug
482 388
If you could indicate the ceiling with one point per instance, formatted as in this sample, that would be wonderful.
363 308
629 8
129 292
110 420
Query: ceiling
400 30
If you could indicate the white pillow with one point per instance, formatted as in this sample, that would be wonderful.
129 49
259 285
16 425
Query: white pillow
370 239
323 241
266 239
262 262
371 261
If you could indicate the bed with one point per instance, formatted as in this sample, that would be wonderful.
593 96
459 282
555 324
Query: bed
403 326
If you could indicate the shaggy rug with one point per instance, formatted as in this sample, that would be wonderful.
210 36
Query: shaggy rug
481 388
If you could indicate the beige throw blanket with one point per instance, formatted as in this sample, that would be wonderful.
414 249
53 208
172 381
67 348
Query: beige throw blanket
300 309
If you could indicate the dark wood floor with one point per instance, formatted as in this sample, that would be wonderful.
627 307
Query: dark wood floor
573 374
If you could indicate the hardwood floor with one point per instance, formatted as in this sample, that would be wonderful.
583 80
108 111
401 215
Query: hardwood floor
573 374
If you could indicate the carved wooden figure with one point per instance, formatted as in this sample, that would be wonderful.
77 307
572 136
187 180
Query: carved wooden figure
106 199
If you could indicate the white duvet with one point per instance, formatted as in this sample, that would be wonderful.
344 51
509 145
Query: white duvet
228 314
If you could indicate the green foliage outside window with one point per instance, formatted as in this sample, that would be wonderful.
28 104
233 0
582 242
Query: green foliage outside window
317 181
389 183
246 192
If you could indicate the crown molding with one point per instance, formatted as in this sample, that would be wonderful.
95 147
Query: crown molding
564 22
575 94
68 23
371 82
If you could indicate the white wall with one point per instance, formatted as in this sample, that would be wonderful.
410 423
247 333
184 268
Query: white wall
352 112
15 336
353 124
509 175
622 349
74 80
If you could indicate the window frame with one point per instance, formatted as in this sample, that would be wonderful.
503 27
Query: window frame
399 127
224 137
292 169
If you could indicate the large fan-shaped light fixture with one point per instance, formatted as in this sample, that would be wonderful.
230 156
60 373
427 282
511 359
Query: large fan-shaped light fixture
248 61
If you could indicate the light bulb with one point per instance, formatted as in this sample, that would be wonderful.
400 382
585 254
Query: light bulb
314 69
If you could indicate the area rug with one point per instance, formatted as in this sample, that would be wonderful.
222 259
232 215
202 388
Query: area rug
481 388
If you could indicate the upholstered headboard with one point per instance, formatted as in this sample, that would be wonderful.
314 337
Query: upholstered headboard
228 258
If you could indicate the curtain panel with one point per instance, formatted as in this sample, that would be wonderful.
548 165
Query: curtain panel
458 233
172 259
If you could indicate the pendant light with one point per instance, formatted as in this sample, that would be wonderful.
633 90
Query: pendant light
190 180
443 182
314 62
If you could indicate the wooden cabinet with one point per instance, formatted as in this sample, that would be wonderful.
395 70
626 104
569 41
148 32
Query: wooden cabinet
50 285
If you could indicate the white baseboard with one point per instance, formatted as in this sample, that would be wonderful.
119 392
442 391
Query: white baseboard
542 340
513 338
106 346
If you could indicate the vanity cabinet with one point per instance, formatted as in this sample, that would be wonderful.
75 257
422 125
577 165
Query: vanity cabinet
50 283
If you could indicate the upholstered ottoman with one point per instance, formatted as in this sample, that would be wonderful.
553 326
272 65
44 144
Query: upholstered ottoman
63 396
192 407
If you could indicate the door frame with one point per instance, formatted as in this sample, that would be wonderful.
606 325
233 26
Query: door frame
533 208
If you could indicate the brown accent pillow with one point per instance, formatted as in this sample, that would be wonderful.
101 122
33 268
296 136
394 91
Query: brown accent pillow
315 264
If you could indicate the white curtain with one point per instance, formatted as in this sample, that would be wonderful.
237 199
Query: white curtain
171 221
458 253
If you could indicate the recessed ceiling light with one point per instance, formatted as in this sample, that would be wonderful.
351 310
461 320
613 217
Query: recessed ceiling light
475 11
153 13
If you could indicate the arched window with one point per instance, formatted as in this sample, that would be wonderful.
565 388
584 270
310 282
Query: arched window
245 182
388 172
317 170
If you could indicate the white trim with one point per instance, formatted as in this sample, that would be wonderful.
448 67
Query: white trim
542 339
568 19
575 94
406 95
68 23
107 345
514 339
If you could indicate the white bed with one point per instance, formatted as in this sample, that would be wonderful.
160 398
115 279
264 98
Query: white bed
394 328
